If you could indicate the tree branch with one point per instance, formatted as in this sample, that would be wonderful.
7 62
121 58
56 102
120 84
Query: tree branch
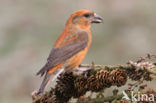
97 79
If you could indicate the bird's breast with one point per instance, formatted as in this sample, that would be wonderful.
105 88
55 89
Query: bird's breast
76 60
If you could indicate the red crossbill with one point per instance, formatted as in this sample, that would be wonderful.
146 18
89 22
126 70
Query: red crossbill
71 46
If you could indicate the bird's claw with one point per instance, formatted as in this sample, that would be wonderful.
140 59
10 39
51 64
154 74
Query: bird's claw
35 94
86 73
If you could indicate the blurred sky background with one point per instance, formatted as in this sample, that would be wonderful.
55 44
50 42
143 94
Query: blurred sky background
28 29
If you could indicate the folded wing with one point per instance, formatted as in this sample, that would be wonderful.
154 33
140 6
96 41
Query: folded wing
73 44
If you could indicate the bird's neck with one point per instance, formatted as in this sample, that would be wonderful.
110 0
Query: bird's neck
76 28
72 29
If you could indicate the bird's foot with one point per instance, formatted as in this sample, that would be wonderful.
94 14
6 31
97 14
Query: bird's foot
84 70
86 73
35 94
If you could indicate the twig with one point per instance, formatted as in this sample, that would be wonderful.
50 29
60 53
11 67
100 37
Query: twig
98 78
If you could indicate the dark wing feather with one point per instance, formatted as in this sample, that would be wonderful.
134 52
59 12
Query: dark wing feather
61 54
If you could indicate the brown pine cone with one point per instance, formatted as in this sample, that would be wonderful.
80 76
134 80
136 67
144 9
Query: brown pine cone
80 86
118 77
65 87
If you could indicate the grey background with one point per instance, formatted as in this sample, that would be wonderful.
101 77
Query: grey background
28 29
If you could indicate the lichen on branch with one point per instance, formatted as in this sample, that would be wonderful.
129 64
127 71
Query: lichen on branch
100 77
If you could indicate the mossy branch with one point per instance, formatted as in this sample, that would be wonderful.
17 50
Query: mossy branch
98 78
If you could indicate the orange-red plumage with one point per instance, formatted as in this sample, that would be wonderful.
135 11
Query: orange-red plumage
71 46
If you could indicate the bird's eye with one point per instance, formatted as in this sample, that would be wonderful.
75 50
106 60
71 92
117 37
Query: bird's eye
87 15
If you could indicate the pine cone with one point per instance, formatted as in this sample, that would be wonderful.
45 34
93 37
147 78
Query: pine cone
103 78
80 86
135 74
65 87
137 70
99 81
48 97
92 83
118 77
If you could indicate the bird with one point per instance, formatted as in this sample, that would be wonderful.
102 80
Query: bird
70 47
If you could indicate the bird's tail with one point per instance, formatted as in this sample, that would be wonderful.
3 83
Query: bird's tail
49 77
45 82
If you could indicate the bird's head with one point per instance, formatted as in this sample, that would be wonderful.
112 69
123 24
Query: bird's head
83 18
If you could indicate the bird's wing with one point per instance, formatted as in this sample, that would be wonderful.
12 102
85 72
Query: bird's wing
74 44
